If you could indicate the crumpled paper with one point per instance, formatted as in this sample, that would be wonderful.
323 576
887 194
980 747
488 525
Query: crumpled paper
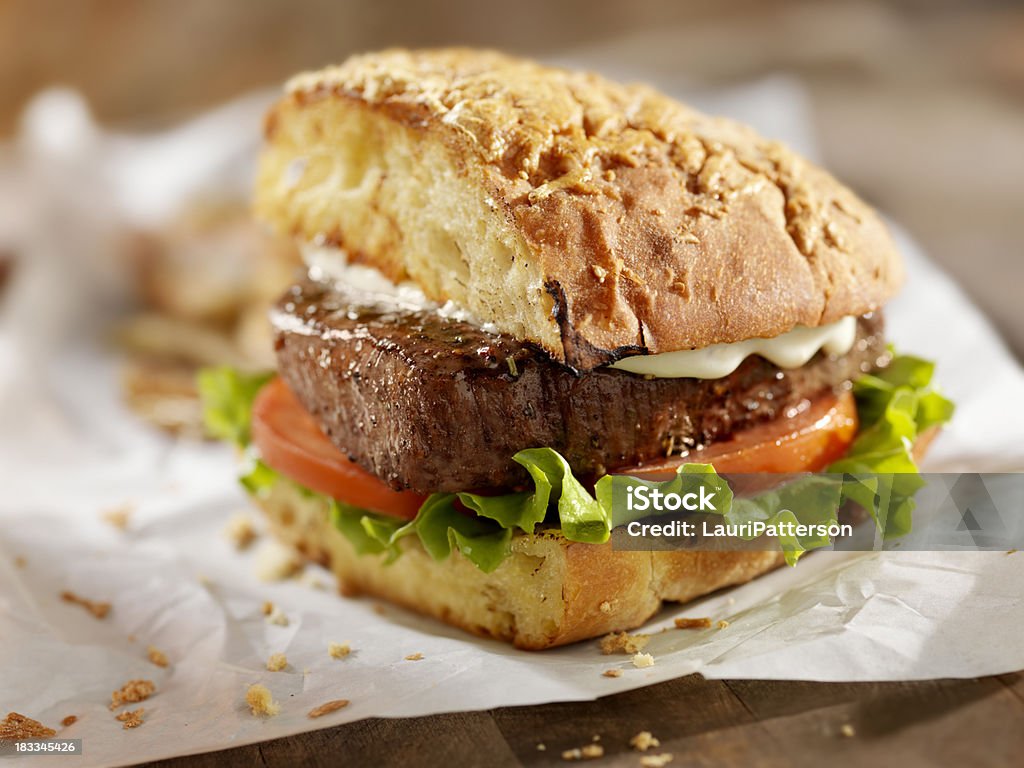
69 451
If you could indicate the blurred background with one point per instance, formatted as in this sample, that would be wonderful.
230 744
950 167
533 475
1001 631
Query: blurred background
918 104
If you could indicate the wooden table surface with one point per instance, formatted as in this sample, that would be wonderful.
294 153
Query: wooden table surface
699 722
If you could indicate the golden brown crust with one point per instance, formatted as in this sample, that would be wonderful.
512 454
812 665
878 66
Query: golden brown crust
549 592
641 224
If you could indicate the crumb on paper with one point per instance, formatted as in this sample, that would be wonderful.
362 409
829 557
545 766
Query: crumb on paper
276 562
267 608
643 741
260 701
240 531
612 673
131 638
605 607
379 609
20 562
847 730
97 609
156 656
205 580
118 517
1009 552
623 642
277 617
703 623
641 660
277 662
312 581
68 721
656 761
338 650
131 718
15 727
132 692
722 624
414 656
327 707
588 752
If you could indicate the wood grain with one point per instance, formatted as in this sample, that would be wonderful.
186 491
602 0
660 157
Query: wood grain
700 722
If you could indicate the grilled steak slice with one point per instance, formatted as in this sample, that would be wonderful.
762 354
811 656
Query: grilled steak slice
434 404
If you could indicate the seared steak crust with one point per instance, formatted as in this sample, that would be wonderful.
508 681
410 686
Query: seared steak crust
431 404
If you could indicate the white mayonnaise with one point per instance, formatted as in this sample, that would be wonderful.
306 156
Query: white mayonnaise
790 350
330 264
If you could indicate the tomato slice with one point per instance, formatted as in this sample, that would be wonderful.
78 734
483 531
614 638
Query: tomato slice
290 441
808 442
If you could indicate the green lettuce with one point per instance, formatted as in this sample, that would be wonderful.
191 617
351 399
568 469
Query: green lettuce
878 473
227 395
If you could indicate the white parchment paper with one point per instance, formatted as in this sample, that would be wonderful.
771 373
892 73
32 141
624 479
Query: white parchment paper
69 450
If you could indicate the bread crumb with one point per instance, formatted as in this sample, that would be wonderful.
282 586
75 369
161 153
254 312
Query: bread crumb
312 581
69 721
338 650
268 608
240 531
260 701
644 741
277 617
599 272
656 761
605 607
131 718
414 657
847 730
596 737
132 692
131 638
641 660
589 752
722 624
704 623
1009 552
623 642
327 707
276 562
379 609
119 517
277 662
15 727
99 610
20 562
156 656
542 747
612 673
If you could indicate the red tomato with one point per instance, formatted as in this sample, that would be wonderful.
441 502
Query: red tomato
806 442
290 441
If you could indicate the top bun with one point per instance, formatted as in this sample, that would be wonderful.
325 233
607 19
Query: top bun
594 219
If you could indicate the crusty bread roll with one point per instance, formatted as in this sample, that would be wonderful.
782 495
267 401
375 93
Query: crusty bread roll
548 592
595 219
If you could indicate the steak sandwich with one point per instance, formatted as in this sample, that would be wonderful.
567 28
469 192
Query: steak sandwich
524 285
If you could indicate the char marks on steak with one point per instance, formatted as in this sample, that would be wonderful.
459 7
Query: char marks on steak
431 404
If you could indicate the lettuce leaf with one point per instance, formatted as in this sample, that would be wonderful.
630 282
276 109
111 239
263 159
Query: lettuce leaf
227 396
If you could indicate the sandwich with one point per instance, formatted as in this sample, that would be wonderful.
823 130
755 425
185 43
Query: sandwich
525 284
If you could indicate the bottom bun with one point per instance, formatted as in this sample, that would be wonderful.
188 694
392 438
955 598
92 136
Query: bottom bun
548 592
